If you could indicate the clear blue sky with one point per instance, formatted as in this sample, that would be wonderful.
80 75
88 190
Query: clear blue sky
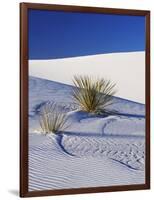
61 34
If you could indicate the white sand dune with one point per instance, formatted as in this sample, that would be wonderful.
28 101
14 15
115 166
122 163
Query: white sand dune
92 151
127 70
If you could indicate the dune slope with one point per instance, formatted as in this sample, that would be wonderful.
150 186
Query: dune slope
93 151
127 70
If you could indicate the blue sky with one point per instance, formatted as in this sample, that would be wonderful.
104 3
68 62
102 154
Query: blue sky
56 34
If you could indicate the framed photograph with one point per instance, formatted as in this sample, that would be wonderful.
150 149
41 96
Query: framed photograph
85 99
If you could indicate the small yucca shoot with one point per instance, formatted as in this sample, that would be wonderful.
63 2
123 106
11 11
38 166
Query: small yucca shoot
93 95
52 121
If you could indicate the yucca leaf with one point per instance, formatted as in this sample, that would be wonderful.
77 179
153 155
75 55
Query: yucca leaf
93 94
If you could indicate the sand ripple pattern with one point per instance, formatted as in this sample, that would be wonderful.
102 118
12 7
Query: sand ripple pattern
51 167
129 152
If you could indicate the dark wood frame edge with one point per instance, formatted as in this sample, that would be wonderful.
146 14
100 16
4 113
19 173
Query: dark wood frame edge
147 100
24 100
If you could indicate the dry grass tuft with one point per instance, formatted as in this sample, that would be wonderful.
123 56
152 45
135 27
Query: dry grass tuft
52 121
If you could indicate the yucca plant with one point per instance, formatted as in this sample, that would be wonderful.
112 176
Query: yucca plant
52 121
93 95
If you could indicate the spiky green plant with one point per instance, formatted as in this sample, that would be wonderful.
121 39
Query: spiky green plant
52 121
93 95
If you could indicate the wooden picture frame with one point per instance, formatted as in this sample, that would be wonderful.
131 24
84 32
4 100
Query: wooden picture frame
24 93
